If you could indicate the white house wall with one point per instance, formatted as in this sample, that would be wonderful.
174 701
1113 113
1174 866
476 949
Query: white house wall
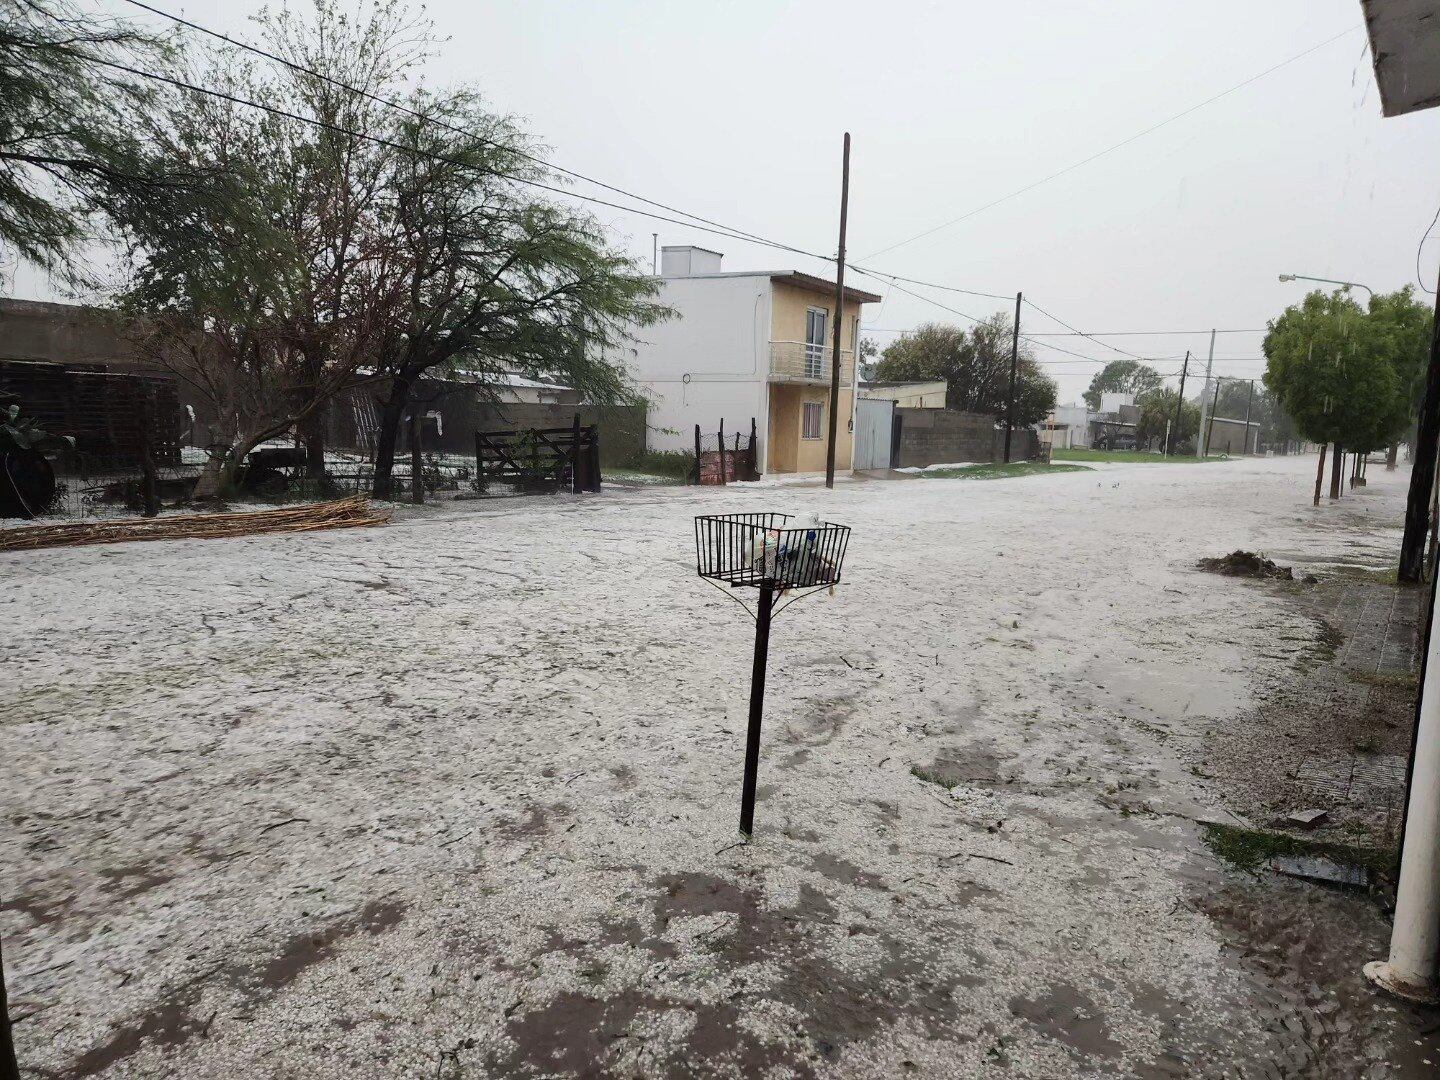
710 363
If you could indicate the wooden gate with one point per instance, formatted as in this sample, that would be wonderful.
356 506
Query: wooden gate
540 459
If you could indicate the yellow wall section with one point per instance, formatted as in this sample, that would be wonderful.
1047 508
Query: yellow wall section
788 304
788 451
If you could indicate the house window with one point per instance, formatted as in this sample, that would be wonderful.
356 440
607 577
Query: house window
810 420
815 343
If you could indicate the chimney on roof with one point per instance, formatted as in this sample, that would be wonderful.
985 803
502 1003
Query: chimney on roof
687 260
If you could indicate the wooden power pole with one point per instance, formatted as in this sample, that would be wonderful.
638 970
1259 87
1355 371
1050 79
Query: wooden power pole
1422 471
1179 404
839 312
1014 368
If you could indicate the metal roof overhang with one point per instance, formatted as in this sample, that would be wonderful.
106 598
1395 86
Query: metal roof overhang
810 281
1405 50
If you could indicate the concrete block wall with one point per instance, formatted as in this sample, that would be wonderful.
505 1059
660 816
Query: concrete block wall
940 436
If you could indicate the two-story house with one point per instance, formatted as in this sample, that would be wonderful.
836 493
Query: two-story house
749 345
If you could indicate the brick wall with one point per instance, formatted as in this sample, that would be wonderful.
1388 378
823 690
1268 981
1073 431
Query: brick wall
940 436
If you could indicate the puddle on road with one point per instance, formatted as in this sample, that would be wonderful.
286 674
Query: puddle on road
1167 691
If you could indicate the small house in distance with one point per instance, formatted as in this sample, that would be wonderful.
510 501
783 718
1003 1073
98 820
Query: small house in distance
753 344
907 395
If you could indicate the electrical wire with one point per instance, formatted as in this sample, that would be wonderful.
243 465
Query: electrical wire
1111 149
389 103
1113 348
1420 246
341 129
706 225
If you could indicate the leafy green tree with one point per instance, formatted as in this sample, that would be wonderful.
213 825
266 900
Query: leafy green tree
1328 365
1122 377
264 288
497 281
1404 325
67 144
1157 415
975 367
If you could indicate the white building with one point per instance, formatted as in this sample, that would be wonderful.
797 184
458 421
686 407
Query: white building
753 345
1067 428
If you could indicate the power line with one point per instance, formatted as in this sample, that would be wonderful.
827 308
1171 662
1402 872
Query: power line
1144 333
708 225
725 230
340 129
1072 329
1111 149
389 103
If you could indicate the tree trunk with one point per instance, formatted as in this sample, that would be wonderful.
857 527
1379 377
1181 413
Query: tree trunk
1320 472
1337 463
392 413
312 437
417 424
1392 456
218 476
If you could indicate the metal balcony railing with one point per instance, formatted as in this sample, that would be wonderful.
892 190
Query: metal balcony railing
800 361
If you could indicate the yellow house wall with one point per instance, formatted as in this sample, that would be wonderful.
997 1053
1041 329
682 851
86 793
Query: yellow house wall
788 304
788 451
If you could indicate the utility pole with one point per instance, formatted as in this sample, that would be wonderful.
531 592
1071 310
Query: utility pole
1210 431
1179 403
1410 972
655 254
1249 400
839 313
1014 366
1203 435
1422 472
9 1069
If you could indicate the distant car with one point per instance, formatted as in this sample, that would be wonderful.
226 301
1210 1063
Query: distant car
1116 442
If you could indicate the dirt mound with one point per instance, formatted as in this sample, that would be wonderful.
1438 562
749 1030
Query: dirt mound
1246 564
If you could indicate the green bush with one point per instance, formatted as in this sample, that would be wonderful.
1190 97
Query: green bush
679 464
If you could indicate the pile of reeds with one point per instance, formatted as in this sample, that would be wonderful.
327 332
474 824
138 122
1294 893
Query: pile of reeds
341 514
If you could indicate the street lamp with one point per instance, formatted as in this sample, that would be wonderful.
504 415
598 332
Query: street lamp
1346 285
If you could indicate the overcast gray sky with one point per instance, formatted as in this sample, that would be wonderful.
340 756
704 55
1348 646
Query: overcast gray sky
735 111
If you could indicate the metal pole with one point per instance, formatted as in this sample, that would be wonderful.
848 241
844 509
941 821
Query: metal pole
9 1068
655 254
1411 972
1204 433
417 421
1210 432
1249 400
1179 402
1014 367
757 707
839 315
1422 472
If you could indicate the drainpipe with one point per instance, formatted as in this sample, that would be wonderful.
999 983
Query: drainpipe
1411 971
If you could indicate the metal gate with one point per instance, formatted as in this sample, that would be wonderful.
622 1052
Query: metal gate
874 418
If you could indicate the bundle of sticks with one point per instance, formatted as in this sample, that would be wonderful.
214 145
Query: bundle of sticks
341 514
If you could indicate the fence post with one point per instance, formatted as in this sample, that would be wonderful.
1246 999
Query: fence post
595 456
417 421
575 456
697 454
722 451
754 454
149 482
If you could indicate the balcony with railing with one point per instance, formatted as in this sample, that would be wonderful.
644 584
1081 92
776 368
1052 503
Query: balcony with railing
802 362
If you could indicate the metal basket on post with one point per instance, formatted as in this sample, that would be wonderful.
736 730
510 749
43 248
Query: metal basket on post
773 553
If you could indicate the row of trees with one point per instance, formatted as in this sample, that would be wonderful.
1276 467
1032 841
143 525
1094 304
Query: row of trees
1348 376
273 257
974 364
1230 398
